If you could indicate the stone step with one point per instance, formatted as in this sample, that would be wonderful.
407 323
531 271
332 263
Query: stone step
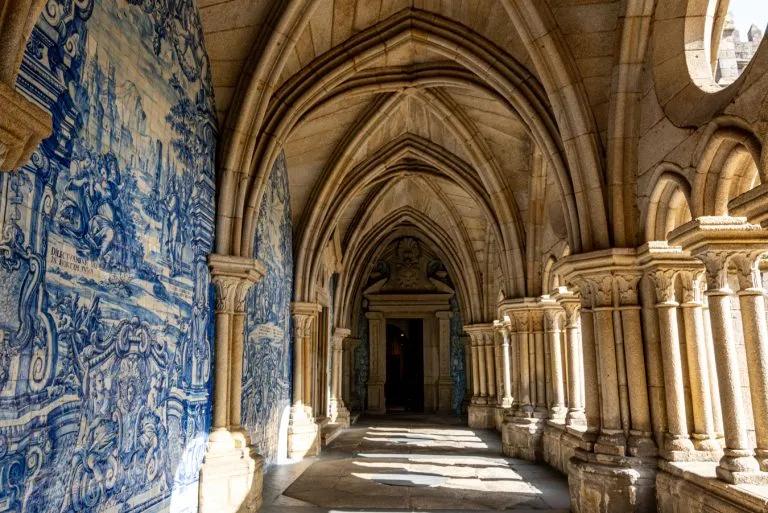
330 432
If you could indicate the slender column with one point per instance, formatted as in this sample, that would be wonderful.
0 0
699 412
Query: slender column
612 439
299 328
336 407
575 416
752 303
490 366
236 363
350 344
523 323
652 347
589 359
514 362
308 364
499 363
704 436
714 382
377 377
476 398
226 288
737 455
677 438
482 367
466 343
554 319
507 398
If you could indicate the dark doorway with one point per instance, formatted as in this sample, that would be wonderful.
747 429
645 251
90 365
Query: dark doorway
404 390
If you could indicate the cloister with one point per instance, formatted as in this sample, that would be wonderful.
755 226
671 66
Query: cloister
234 229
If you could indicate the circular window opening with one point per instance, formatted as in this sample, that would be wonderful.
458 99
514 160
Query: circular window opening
734 29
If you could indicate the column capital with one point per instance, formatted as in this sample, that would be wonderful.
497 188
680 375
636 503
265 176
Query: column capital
374 315
716 240
444 314
23 126
554 319
339 334
303 316
232 278
571 305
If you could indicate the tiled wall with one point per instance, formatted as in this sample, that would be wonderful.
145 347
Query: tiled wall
105 318
267 351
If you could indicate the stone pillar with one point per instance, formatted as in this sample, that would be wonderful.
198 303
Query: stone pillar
506 401
490 365
481 411
339 414
539 368
753 318
617 472
232 472
466 343
554 322
711 240
677 443
303 437
522 320
445 381
348 373
377 375
704 433
572 309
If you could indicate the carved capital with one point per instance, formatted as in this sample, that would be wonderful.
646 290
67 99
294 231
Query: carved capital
537 320
554 319
226 292
572 314
522 320
302 324
691 281
600 288
626 286
664 284
716 265
339 334
747 268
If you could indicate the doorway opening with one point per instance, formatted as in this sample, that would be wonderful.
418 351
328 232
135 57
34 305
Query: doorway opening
404 389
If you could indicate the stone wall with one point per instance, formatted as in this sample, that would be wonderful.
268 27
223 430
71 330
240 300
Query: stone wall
105 314
268 349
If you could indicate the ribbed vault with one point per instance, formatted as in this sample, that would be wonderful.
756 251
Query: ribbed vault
423 118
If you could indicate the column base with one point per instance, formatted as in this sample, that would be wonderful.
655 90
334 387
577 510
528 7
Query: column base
480 416
231 480
499 413
303 435
338 413
444 391
553 446
523 438
611 484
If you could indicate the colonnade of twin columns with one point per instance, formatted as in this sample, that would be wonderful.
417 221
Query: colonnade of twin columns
639 358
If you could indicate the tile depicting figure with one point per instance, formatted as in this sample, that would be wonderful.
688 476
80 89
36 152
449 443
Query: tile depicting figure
105 316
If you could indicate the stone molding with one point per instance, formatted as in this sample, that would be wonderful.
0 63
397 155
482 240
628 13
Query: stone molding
232 278
23 126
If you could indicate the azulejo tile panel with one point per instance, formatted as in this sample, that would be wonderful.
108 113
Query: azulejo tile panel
268 346
105 318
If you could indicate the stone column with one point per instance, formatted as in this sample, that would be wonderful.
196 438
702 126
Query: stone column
612 439
377 375
554 322
539 369
232 472
704 433
506 401
498 359
466 343
445 381
589 360
303 439
752 303
490 365
572 309
711 239
524 332
475 370
348 374
677 439
339 414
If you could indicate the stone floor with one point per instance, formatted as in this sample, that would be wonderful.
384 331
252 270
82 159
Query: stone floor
413 463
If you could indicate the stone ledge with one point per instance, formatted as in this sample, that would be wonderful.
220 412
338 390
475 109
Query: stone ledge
702 476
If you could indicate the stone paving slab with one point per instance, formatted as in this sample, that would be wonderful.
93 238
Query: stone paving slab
414 464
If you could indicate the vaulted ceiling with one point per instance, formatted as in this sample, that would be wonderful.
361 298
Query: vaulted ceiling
476 124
